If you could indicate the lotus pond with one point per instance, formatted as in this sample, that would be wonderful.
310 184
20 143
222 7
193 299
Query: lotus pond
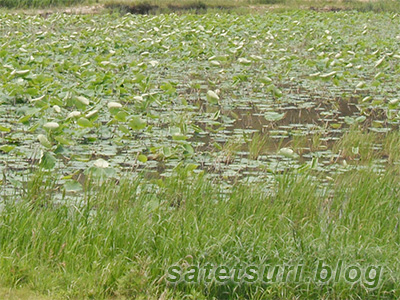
241 97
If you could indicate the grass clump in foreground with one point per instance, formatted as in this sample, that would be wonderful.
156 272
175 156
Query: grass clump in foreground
119 241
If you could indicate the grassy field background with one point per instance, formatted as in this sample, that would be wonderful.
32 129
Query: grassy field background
39 3
165 6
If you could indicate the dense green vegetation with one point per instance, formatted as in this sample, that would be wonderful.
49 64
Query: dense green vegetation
120 240
241 97
133 143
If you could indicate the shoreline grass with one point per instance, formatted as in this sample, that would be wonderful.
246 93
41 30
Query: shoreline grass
118 241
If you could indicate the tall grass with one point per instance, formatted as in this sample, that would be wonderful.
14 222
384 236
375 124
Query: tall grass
119 240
